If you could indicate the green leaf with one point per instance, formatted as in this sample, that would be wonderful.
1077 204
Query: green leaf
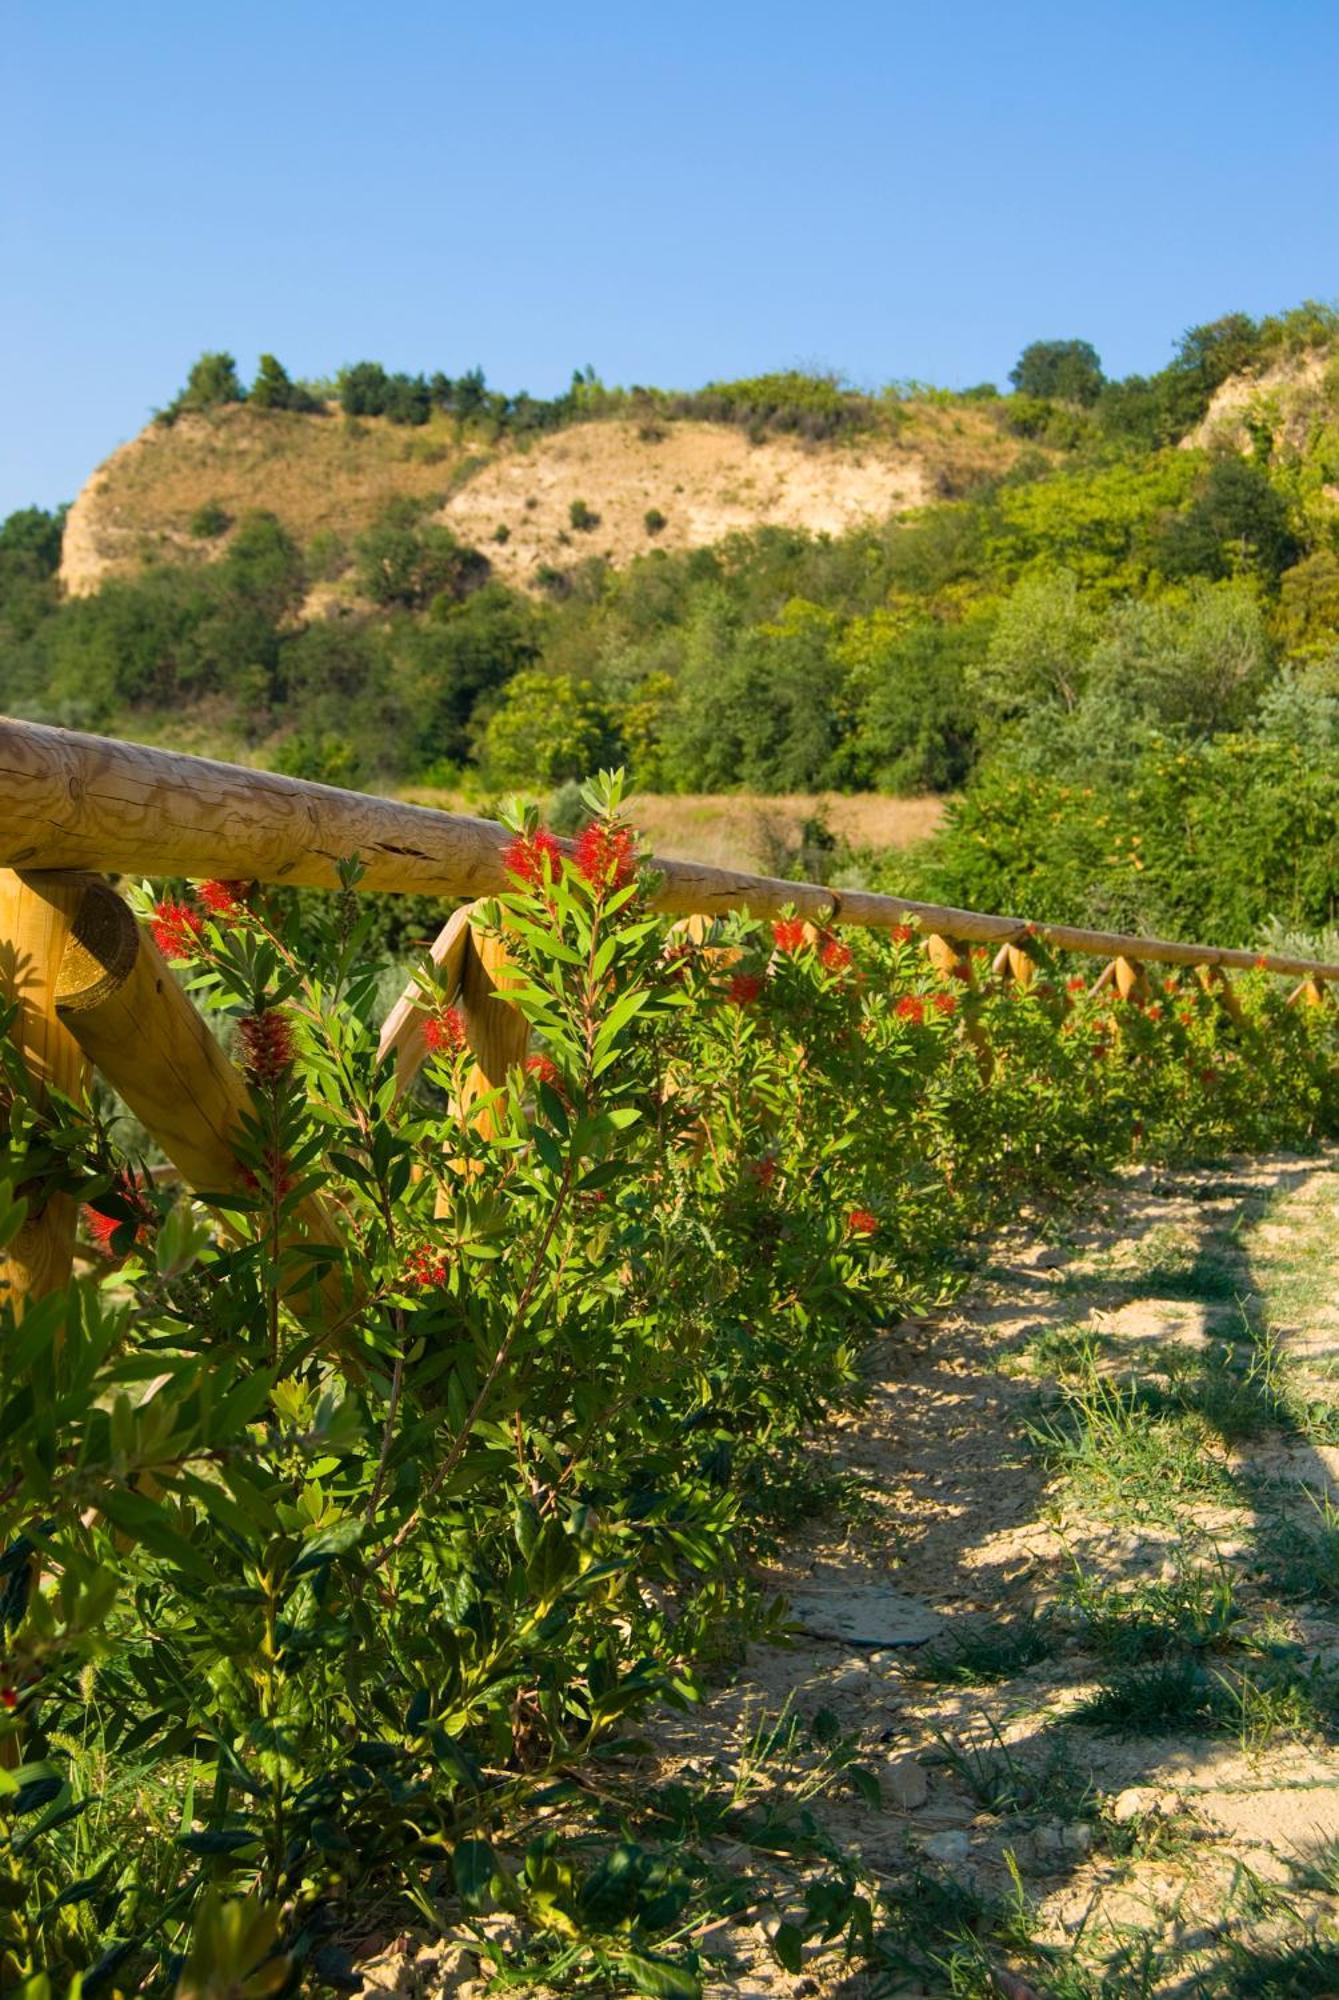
787 1943
659 1978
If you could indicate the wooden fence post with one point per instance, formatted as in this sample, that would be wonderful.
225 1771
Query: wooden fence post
36 920
498 1033
120 1005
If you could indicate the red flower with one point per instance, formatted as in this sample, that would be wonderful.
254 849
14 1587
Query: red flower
605 855
901 934
9 1697
444 1031
1171 984
1186 1016
274 1166
102 1228
1076 984
745 988
1208 1076
222 898
910 1008
1262 963
530 855
962 971
945 1003
788 934
763 1170
427 1268
543 1068
861 1222
176 929
267 1045
835 955
1154 1010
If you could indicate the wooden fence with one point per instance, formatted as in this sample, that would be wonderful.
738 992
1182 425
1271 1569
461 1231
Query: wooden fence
94 991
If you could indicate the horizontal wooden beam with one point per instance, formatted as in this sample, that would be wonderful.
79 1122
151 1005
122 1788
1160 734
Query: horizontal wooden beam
75 801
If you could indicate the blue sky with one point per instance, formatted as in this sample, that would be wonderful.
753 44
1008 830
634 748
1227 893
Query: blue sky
670 194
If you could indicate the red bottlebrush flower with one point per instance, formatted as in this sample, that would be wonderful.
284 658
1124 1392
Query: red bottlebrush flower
176 929
528 855
1262 963
275 1166
9 1697
861 1222
962 972
945 1003
102 1228
835 955
1154 1010
1077 984
1171 984
222 898
901 934
745 988
910 1008
1208 1076
542 1068
763 1171
605 855
444 1031
788 934
267 1045
427 1268
1186 1016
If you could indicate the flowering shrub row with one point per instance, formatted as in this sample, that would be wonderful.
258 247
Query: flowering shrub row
305 1606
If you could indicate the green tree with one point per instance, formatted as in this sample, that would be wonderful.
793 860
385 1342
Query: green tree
1065 371
404 560
212 382
546 728
1238 522
274 390
1038 651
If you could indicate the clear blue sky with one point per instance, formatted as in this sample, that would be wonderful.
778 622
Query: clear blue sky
669 192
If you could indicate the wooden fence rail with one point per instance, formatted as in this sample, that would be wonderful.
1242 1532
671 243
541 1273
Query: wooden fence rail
93 991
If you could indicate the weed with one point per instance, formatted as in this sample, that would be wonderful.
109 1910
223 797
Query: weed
1174 1694
1196 1612
1001 1782
1303 1557
983 1653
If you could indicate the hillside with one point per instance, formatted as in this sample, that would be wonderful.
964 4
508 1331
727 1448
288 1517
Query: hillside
331 475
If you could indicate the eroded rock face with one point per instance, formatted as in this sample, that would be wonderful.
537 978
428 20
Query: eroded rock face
696 482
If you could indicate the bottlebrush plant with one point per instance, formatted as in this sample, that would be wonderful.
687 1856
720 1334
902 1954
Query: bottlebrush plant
305 1607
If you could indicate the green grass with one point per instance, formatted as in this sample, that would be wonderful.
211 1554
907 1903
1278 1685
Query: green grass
1197 1612
982 1654
1002 1782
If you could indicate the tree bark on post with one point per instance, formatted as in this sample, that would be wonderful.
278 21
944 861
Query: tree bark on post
36 921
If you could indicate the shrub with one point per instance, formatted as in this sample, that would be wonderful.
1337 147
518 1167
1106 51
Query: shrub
209 521
582 517
328 1594
212 382
1067 371
654 521
405 560
273 390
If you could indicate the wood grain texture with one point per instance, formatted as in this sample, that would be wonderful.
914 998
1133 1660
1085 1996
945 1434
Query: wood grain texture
499 1036
402 1031
36 921
75 801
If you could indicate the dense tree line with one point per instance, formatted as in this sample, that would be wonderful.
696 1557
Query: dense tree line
1076 616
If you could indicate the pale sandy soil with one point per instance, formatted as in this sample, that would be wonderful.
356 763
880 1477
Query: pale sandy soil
706 479
328 475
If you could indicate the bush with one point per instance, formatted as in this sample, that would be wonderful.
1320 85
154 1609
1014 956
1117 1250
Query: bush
210 521
407 561
212 382
273 390
546 729
582 517
654 521
328 1593
1066 371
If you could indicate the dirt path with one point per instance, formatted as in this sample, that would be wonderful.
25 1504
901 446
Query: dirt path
1108 1478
